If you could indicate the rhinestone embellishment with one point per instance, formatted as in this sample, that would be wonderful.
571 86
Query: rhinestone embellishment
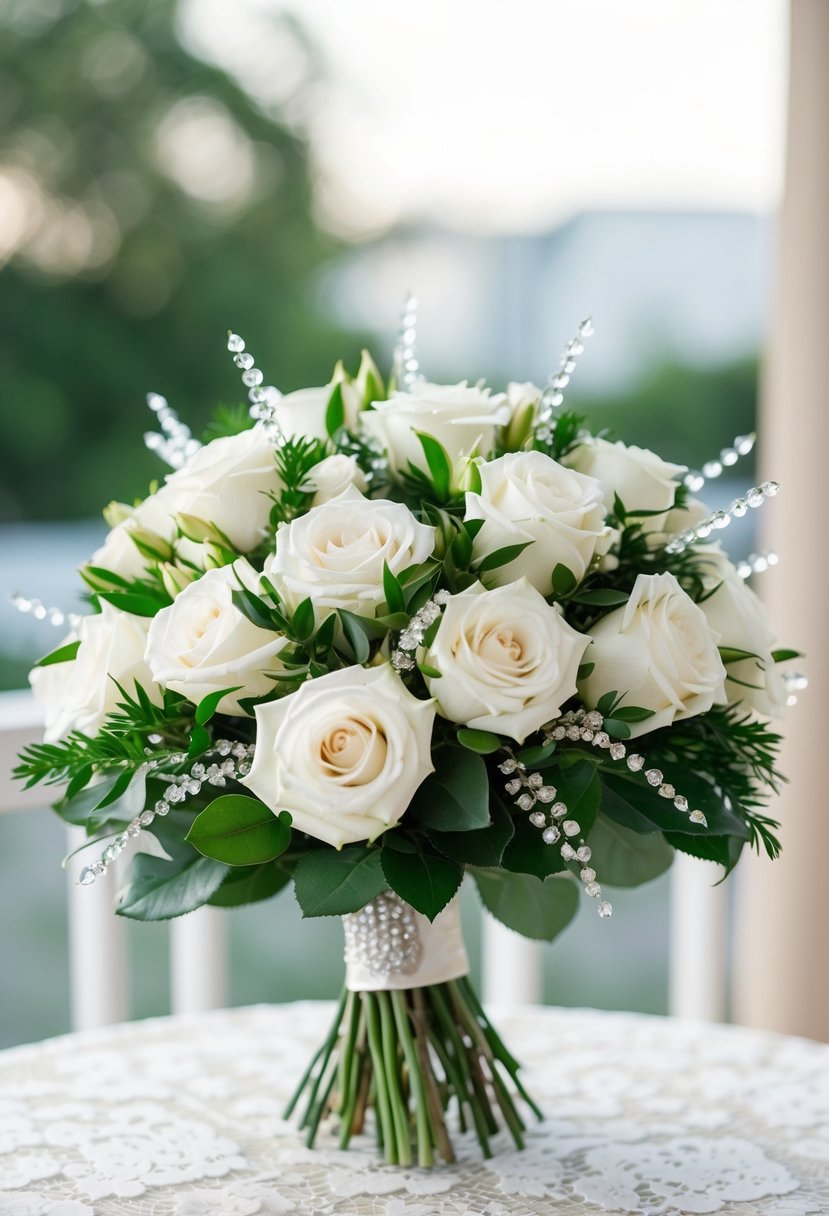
383 937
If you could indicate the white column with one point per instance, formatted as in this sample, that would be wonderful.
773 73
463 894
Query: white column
782 964
699 931
512 966
198 961
97 948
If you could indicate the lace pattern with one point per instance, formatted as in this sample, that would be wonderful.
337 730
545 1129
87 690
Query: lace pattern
182 1117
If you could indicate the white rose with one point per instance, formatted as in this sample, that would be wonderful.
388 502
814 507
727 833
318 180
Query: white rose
658 652
119 552
335 553
740 618
464 418
643 480
508 661
344 754
519 396
529 497
332 476
80 693
203 643
304 411
228 483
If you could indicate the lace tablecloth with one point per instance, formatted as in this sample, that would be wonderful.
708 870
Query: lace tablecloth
182 1117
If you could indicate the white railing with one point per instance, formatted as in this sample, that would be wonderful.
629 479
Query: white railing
512 964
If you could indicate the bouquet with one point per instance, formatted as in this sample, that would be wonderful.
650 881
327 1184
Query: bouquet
374 637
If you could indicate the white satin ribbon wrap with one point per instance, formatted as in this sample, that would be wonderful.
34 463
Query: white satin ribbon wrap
442 954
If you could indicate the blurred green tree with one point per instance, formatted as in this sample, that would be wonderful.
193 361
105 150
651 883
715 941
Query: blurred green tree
147 203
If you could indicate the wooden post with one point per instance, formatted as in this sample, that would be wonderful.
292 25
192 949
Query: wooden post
782 959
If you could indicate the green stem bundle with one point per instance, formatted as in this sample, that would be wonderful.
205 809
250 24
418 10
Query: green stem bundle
414 1055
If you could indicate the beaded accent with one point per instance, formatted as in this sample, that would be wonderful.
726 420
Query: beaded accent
383 937
553 395
262 397
174 443
406 365
37 609
740 446
754 498
402 658
234 762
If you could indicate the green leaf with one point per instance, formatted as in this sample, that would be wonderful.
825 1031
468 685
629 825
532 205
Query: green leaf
330 883
725 850
200 740
700 793
335 410
304 619
393 591
440 467
80 806
564 580
527 853
631 713
254 608
782 656
604 598
431 673
480 741
731 654
624 858
532 907
585 669
240 831
425 880
455 798
618 802
580 789
537 755
616 728
208 705
133 602
62 655
605 702
483 847
250 885
355 635
501 557
161 889
126 799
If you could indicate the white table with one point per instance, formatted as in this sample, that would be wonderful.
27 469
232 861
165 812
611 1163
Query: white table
182 1117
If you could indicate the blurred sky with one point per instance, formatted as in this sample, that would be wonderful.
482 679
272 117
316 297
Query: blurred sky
510 117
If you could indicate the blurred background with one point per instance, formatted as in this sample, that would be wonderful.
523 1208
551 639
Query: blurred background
289 170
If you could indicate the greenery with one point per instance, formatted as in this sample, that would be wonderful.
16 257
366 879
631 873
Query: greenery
130 272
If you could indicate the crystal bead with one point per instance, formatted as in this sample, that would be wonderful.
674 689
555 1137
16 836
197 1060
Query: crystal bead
586 734
535 781
605 909
550 835
568 852
86 877
508 766
558 809
122 841
592 889
110 853
720 519
162 808
698 817
526 802
755 497
729 457
546 793
738 508
617 751
235 343
653 776
711 468
512 787
146 818
134 829
584 853
175 793
558 732
594 720
98 868
442 597
538 819
602 739
570 827
681 803
244 360
224 747
252 378
574 733
744 444
703 530
666 790
587 875
770 488
694 482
